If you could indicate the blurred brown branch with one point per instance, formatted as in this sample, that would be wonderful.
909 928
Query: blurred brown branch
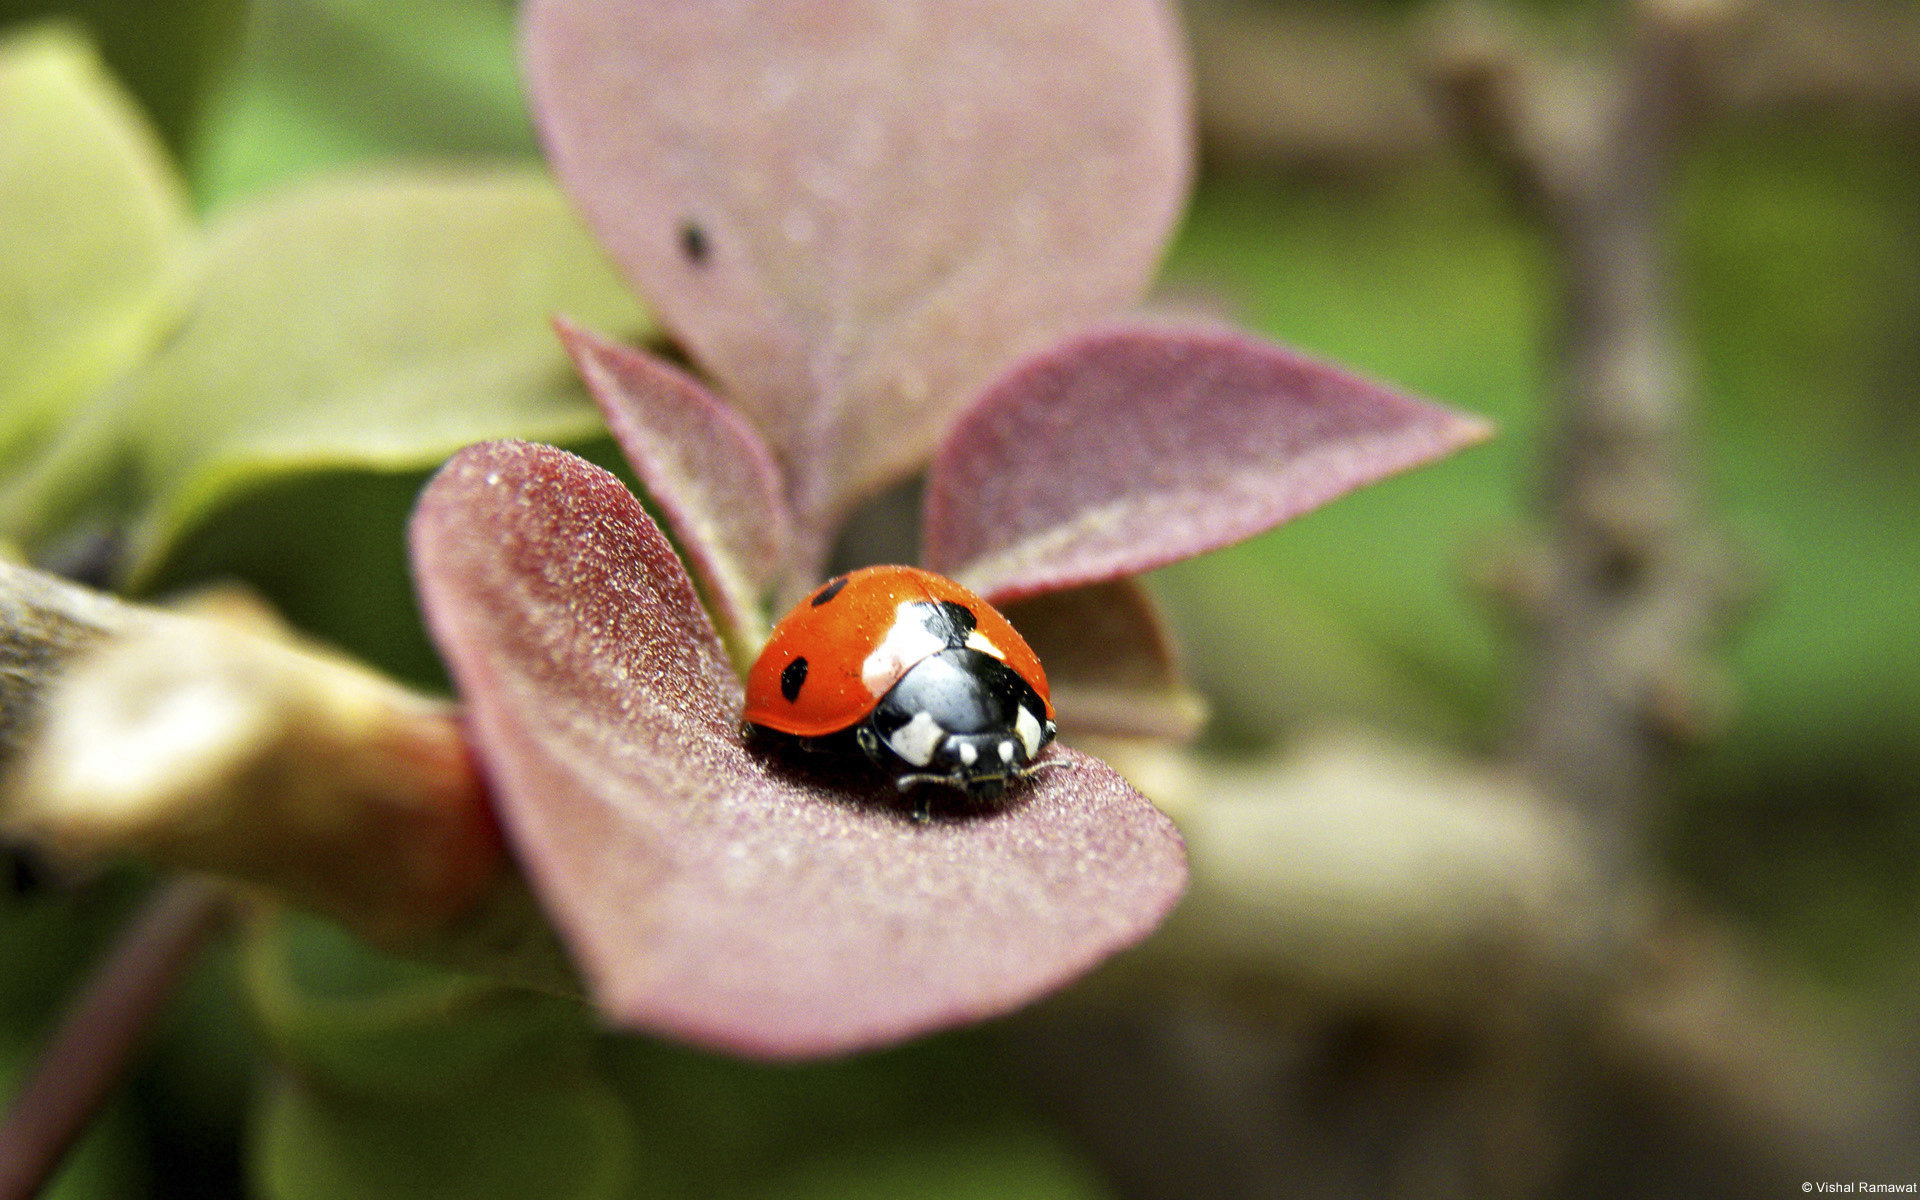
1389 973
1304 86
210 738
1314 87
45 622
1636 582
1412 978
205 744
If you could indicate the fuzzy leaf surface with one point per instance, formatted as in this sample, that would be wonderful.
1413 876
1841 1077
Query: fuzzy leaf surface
703 464
1129 448
710 891
854 214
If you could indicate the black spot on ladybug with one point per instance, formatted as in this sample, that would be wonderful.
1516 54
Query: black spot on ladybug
693 243
792 677
829 592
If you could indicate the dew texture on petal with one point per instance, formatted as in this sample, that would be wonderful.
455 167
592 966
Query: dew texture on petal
854 214
707 891
1128 448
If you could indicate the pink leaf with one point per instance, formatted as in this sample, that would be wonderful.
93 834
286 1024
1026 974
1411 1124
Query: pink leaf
1129 448
854 213
1110 662
708 892
711 475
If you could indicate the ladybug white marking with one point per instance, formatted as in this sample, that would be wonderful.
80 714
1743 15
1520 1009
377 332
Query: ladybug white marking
907 642
969 754
1028 727
917 739
979 641
1006 751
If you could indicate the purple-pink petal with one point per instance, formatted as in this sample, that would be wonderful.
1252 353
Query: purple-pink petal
1110 662
1129 448
713 478
708 892
854 213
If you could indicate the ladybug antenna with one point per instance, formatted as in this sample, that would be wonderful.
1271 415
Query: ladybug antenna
1052 764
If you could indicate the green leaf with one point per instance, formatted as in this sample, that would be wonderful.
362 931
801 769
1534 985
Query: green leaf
735 1129
378 322
402 1080
95 234
984 1165
327 83
346 1017
562 1138
171 54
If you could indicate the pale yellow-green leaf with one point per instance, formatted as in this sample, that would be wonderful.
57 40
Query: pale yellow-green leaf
373 322
95 233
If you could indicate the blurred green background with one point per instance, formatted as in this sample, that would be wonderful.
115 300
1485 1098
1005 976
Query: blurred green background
1798 262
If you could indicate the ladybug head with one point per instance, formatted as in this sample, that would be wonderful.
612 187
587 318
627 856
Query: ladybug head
961 718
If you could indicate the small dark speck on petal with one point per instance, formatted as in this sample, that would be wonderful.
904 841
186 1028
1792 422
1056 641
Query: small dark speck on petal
693 243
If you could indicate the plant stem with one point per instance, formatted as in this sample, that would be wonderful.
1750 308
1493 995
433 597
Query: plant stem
1632 582
88 1054
45 622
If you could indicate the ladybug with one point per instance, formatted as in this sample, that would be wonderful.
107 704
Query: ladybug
911 670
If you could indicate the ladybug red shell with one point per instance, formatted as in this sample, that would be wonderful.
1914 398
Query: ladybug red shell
912 670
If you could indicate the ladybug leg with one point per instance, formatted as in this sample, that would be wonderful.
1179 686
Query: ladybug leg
920 801
869 743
